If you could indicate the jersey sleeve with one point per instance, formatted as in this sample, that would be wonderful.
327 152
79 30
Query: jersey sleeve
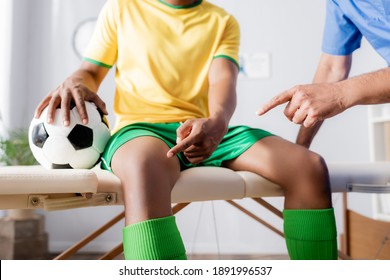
103 47
230 42
341 36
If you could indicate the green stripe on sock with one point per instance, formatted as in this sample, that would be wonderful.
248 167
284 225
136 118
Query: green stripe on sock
310 234
155 239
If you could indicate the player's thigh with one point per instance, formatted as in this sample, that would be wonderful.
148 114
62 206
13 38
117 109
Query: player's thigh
280 161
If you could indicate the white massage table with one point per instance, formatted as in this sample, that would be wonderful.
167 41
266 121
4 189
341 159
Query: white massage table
33 187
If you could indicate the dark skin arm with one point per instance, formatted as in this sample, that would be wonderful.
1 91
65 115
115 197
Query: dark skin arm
79 87
198 138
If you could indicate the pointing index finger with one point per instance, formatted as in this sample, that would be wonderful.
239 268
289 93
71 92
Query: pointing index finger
275 101
180 147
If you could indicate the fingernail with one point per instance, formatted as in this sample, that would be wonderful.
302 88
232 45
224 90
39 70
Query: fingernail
66 123
259 112
85 121
169 154
178 140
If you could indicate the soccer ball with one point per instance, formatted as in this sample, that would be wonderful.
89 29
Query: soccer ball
76 146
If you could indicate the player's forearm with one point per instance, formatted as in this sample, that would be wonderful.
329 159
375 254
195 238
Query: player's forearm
222 101
89 76
222 90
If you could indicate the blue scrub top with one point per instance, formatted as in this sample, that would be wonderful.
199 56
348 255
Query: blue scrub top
348 20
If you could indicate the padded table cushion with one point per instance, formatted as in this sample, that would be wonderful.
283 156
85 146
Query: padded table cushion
35 187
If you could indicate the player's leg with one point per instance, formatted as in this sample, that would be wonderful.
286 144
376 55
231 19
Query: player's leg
147 177
309 223
301 173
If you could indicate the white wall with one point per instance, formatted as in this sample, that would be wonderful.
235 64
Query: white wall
5 57
5 53
289 30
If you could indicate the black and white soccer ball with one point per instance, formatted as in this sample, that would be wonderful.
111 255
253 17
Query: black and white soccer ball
76 146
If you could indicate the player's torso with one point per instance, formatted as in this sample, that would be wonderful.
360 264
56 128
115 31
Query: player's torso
163 59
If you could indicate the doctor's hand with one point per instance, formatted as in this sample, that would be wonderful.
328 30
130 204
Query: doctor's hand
198 139
308 104
71 90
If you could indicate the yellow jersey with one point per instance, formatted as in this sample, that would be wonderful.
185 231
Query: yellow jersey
162 55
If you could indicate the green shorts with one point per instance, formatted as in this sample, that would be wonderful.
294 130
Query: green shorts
236 141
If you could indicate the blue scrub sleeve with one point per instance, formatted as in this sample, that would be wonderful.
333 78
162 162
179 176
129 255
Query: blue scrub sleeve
341 36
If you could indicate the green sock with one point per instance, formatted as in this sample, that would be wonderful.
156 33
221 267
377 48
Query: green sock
155 239
310 234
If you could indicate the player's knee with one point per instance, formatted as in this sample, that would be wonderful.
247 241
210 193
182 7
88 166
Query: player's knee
317 166
319 176
310 170
311 188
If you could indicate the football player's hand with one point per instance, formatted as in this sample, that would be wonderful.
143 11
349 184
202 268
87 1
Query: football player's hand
198 139
71 90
